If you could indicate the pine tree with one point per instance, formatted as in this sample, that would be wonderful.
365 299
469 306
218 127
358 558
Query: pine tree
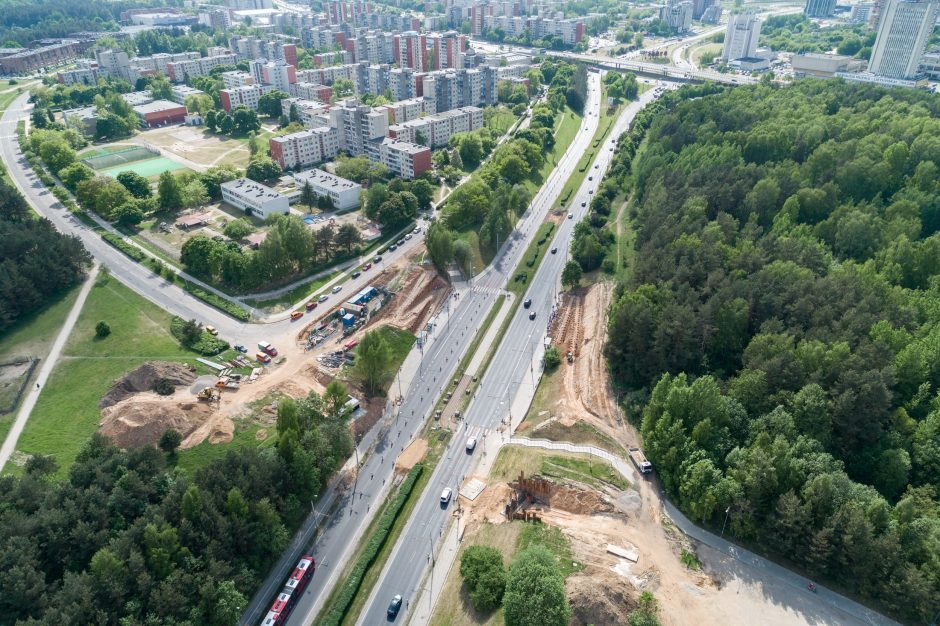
307 197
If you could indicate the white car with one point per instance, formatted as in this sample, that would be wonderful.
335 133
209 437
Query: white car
445 495
471 444
336 289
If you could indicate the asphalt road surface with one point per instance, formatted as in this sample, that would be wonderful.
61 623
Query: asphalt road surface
344 529
510 366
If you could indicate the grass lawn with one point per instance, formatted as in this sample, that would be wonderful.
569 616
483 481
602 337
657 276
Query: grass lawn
501 121
545 396
33 337
245 436
67 411
552 538
581 468
534 254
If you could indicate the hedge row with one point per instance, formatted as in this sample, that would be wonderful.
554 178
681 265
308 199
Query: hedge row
236 311
131 251
352 583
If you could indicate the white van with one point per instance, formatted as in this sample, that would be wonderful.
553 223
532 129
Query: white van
445 495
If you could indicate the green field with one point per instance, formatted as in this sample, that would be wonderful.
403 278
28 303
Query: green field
33 337
67 411
148 168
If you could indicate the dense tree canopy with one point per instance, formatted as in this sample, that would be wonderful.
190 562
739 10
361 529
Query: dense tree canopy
126 540
781 324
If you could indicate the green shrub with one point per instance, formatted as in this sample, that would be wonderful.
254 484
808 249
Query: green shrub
131 251
211 299
199 340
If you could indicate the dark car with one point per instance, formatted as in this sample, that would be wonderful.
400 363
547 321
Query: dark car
356 274
394 607
527 303
377 259
531 315
554 249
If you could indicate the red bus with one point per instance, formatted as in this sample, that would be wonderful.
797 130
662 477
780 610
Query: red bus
291 593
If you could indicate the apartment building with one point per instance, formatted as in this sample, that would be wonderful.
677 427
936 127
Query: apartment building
251 48
180 71
310 112
179 93
402 158
254 198
311 91
276 74
237 78
404 84
328 75
435 131
345 194
411 109
358 124
459 88
216 17
677 14
446 50
86 74
321 38
305 148
411 50
49 53
248 96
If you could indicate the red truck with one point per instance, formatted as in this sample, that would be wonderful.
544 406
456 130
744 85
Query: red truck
267 348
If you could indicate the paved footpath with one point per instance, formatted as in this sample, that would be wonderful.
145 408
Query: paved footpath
29 401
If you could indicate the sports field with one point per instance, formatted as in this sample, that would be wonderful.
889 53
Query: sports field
146 167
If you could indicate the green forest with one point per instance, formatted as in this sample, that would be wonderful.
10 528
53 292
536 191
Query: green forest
780 330
129 539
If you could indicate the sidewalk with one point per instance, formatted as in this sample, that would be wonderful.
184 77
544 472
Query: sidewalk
29 401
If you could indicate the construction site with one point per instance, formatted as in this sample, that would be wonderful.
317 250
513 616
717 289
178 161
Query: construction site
242 392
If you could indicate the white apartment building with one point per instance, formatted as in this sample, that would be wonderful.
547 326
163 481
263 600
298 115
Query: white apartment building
357 124
86 75
411 109
741 37
179 71
436 130
307 110
305 148
248 96
311 91
277 74
344 193
677 14
402 158
904 29
254 198
179 93
237 78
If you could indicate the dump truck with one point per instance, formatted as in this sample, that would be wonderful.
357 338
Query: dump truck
263 358
639 459
267 348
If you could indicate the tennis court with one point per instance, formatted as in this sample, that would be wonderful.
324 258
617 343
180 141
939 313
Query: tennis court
146 167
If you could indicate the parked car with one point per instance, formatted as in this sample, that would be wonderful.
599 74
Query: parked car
336 289
323 298
263 358
392 248
416 230
377 259
400 242
240 348
212 330
311 305
408 236
366 267
356 274
296 315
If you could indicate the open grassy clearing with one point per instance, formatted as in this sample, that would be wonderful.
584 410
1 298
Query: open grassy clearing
563 465
67 412
501 121
33 337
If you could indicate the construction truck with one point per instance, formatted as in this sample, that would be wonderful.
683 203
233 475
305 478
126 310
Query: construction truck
639 459
570 357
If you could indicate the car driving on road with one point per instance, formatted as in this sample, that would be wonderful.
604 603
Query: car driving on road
394 607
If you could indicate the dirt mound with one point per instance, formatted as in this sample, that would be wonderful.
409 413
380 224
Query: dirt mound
488 507
412 454
579 501
143 418
144 378
598 599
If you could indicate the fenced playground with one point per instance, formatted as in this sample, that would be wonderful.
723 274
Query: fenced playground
144 160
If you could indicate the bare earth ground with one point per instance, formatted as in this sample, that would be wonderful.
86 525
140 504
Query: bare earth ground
133 415
196 147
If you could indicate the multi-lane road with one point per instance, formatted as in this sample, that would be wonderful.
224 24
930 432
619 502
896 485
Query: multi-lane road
344 529
511 364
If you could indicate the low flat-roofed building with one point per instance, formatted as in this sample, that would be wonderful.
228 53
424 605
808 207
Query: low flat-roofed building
823 65
344 193
179 93
137 98
254 198
160 113
82 119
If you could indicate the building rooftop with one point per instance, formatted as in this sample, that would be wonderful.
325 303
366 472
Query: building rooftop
324 179
156 107
247 188
403 146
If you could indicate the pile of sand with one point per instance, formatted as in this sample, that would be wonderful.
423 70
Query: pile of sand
144 378
597 598
141 419
579 501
